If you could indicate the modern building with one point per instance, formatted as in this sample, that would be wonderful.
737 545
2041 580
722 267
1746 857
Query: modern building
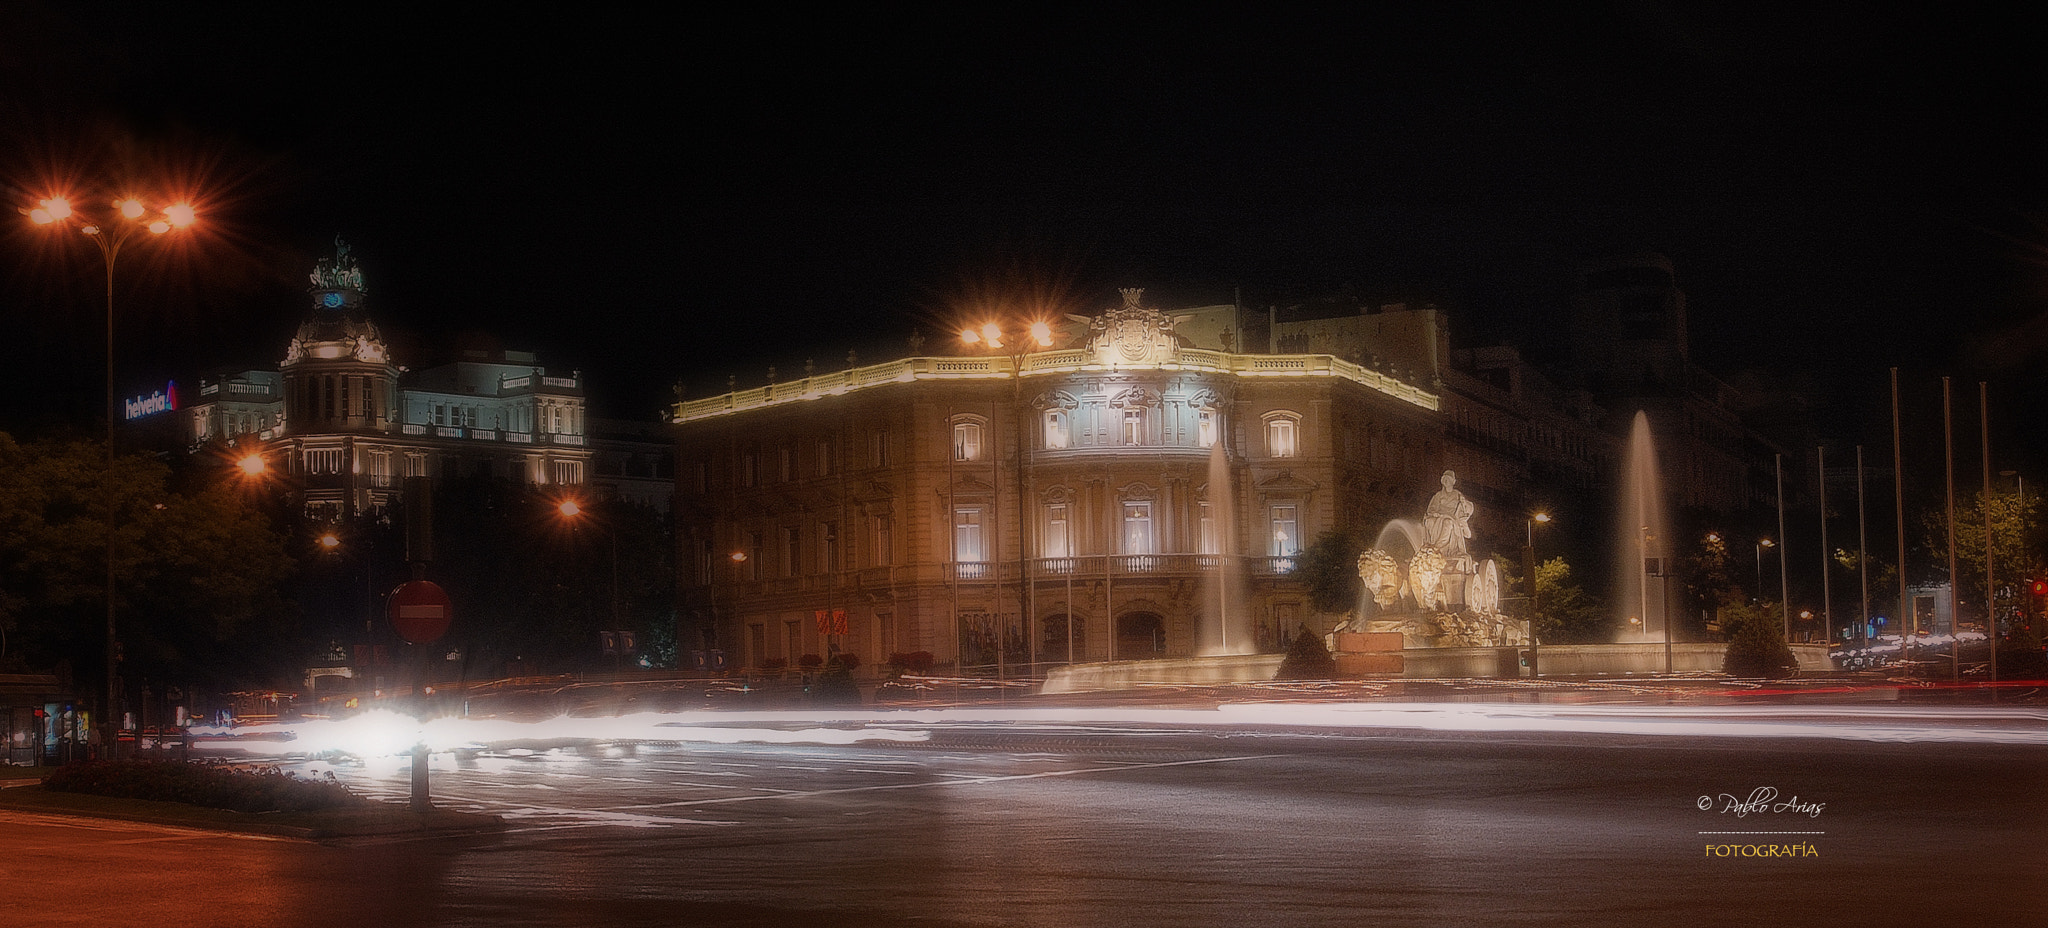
1091 497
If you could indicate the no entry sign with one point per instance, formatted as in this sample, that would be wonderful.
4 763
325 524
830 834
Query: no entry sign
420 611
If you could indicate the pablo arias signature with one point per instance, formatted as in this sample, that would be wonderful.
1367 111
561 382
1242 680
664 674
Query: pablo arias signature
1760 800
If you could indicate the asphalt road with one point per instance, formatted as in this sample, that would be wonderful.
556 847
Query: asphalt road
1128 824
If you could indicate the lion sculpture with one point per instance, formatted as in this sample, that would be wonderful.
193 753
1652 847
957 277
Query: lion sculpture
1381 575
1425 578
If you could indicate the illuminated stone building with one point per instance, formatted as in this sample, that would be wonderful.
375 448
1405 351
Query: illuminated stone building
1076 501
347 424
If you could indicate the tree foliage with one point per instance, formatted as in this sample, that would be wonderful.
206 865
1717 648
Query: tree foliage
1565 612
2015 552
533 588
196 570
1329 568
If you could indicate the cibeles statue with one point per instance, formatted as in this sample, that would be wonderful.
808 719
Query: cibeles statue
1447 523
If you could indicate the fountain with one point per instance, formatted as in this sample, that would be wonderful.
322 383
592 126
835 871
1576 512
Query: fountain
1442 597
1640 534
1222 629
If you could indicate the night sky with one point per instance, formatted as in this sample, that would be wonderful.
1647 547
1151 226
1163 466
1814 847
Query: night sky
660 199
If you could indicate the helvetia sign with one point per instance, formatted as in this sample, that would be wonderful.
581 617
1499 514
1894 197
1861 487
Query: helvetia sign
163 400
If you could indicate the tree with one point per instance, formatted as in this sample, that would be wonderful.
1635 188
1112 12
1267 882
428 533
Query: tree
1329 568
1565 612
196 573
2015 552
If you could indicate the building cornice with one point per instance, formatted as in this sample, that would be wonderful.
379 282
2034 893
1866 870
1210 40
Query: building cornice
1042 364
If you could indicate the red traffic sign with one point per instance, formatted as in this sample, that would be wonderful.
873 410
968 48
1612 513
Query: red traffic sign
420 611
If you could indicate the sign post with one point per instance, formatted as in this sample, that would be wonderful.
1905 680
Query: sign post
420 612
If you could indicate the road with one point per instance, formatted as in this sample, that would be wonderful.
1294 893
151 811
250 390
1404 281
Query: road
987 821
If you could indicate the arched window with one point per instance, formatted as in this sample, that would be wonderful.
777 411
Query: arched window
1057 431
966 440
1283 438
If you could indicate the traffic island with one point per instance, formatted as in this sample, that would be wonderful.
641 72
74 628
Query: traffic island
361 821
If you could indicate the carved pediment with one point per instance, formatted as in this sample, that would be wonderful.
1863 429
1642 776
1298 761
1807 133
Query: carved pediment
1135 398
1055 399
1286 482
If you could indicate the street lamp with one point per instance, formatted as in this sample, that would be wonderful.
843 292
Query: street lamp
1529 558
573 510
989 336
129 218
1761 544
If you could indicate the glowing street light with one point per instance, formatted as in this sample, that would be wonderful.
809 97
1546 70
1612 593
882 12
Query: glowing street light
573 511
127 221
1762 543
1529 559
990 336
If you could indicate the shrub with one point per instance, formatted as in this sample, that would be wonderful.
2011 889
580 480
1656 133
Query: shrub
210 785
1756 644
845 661
810 662
1307 659
774 663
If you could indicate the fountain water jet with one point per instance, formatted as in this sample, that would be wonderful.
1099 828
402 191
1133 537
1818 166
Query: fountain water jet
1223 629
1642 535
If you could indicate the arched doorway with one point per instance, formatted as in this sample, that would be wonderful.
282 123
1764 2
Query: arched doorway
1140 635
1053 640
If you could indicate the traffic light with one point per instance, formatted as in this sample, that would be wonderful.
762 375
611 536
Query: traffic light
2038 587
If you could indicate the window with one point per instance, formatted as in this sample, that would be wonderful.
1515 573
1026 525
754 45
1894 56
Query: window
1206 540
828 547
1138 527
878 447
1058 543
705 561
323 461
1056 434
1205 428
792 552
966 441
1280 437
967 539
881 547
788 459
825 458
1134 426
753 562
750 468
568 471
1286 530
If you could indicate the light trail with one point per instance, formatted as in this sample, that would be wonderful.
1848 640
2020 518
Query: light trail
383 734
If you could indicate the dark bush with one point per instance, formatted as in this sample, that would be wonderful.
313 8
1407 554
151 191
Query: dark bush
774 663
1756 645
1307 659
810 662
209 785
845 661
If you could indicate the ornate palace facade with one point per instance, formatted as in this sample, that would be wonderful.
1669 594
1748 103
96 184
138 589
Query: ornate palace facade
1086 499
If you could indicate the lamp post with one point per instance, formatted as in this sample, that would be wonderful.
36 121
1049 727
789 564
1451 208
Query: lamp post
129 218
989 336
1761 544
573 511
1529 558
